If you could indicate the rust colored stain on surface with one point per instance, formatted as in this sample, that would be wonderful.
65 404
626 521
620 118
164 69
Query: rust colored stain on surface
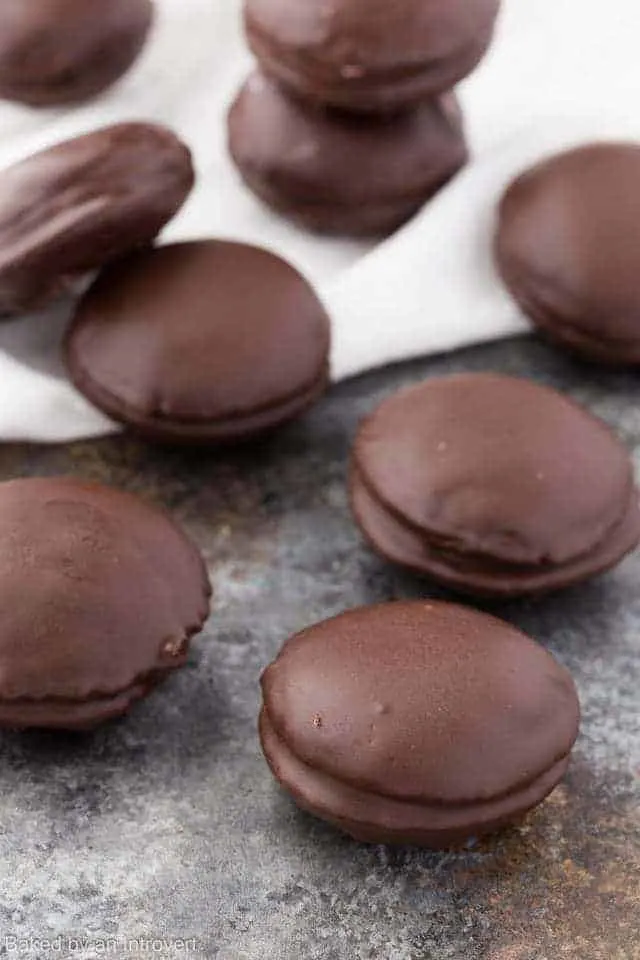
568 880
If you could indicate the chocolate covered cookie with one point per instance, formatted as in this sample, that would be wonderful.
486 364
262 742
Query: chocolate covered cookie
568 248
200 342
421 723
64 51
369 54
339 173
493 485
72 208
102 593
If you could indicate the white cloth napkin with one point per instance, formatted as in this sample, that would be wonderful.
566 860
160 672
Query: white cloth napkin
560 72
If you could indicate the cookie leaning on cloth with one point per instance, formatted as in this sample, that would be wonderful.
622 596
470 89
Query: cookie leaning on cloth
73 207
56 52
568 248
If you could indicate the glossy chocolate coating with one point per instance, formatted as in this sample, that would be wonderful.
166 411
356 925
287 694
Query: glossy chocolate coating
200 342
369 55
101 595
419 722
72 208
568 248
64 51
339 173
493 485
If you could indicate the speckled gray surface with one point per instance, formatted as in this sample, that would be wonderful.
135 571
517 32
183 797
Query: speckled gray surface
167 825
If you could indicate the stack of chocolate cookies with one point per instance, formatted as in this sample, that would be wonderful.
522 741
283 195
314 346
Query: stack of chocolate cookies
350 124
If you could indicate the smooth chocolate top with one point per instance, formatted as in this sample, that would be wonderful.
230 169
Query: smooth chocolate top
497 466
98 589
568 240
422 701
71 208
318 154
206 330
63 51
360 42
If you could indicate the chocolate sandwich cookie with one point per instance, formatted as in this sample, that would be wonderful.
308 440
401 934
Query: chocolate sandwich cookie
568 248
369 55
494 486
421 723
64 51
72 208
200 342
102 593
340 173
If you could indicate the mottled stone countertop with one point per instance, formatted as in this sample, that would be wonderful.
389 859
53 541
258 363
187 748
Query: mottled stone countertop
167 825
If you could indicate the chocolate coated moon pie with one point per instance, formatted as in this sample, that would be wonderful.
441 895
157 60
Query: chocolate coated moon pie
568 248
200 342
493 485
56 52
370 55
73 207
101 594
338 173
422 723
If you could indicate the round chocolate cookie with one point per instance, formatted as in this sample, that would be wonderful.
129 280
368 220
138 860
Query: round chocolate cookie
422 723
101 596
369 55
494 486
72 208
343 173
568 248
200 342
64 51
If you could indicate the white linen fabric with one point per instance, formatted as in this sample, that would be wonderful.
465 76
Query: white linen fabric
560 72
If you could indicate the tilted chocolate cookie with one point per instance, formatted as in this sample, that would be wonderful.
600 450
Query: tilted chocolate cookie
64 51
568 248
493 485
72 208
201 342
340 173
369 55
422 723
102 593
